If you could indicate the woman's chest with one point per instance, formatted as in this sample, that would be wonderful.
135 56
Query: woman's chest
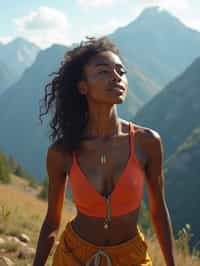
103 170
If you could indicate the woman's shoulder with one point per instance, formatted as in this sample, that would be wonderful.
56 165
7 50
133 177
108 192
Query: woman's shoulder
147 138
146 132
59 154
139 129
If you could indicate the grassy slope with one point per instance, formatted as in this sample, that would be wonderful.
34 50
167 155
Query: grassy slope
21 211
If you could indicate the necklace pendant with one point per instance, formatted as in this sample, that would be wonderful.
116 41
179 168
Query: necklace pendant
105 226
103 159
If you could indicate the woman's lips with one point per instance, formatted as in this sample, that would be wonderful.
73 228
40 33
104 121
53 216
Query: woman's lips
117 89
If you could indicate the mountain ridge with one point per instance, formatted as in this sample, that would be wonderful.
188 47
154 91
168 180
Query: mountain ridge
21 54
161 49
165 112
182 178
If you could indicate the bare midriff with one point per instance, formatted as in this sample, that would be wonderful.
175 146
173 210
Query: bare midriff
91 229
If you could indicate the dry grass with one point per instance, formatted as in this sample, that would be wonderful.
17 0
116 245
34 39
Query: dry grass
182 259
21 211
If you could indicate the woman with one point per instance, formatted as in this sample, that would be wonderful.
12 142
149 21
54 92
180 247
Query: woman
106 160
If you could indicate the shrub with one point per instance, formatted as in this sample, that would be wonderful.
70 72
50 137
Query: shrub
184 236
4 170
44 192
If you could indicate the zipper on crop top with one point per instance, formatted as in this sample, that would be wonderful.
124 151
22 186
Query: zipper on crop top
108 211
107 196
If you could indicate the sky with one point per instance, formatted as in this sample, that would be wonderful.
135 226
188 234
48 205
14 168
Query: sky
45 22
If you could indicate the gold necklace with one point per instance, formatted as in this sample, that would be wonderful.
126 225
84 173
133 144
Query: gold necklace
103 158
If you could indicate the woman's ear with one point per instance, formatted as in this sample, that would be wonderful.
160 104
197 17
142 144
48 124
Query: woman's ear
82 87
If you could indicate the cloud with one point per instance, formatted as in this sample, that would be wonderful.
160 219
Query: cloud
167 4
109 26
5 39
194 23
44 27
95 3
102 29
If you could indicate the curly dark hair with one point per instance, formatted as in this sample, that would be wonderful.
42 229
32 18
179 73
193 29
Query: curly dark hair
68 107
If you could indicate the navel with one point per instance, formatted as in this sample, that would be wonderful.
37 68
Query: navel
107 242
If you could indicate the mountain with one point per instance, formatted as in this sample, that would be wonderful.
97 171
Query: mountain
175 111
18 55
175 114
182 178
29 142
1 45
6 77
160 44
21 134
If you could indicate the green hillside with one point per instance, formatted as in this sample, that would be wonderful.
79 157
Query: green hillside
175 114
175 111
183 184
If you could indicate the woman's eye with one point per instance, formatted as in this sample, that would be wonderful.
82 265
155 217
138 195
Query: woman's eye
122 72
103 71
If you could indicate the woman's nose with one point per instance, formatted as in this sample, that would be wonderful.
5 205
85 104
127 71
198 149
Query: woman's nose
116 76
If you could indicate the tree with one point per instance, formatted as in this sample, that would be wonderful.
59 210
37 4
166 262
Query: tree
4 170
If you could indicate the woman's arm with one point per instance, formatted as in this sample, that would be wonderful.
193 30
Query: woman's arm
158 209
56 169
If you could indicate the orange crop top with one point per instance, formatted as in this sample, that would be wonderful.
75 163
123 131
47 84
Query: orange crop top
126 196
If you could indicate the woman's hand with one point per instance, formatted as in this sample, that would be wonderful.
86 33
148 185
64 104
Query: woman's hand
57 167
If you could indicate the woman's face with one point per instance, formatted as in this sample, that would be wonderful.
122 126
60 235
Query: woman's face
105 79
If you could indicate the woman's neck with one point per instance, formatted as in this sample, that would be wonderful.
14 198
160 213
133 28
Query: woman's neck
103 124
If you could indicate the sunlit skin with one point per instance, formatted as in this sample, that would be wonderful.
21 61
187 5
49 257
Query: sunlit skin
102 76
106 132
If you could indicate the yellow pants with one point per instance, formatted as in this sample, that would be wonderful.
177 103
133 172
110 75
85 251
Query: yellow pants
75 251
